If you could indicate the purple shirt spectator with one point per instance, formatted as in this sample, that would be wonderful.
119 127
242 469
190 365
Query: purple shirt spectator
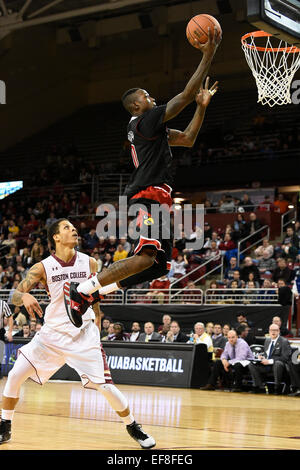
240 352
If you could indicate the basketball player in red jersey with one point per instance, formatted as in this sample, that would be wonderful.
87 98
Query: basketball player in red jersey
59 342
150 183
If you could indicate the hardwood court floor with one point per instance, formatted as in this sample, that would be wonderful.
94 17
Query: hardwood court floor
63 416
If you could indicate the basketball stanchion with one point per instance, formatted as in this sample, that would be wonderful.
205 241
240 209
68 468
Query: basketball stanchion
272 67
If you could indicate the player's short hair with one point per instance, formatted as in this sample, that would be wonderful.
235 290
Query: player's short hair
128 98
53 229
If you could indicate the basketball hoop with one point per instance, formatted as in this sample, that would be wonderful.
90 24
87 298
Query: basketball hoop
272 67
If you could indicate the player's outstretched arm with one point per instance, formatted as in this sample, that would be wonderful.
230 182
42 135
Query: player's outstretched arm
179 102
21 295
188 137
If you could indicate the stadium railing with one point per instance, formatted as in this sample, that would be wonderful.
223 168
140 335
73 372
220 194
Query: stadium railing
293 213
242 296
249 237
170 296
224 296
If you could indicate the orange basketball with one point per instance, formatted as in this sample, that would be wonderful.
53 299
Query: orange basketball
197 28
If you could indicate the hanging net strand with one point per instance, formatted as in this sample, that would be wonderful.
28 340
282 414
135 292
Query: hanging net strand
272 67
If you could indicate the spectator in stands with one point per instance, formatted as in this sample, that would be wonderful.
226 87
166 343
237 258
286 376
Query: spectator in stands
5 283
199 336
246 203
283 330
214 254
266 205
242 318
214 238
249 267
281 204
209 328
90 240
174 334
19 317
227 205
250 286
243 331
125 243
239 226
95 254
107 261
252 226
37 252
227 244
159 290
105 326
9 241
119 333
111 246
228 275
51 219
110 332
13 228
38 326
290 244
25 332
135 331
149 334
207 231
234 295
284 293
283 272
178 266
236 350
192 295
237 278
26 258
166 323
297 228
265 249
266 265
277 352
226 327
218 339
32 325
120 253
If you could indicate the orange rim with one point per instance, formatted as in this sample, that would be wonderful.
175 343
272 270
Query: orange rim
261 34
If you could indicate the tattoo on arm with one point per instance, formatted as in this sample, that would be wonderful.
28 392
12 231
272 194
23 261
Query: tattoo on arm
34 276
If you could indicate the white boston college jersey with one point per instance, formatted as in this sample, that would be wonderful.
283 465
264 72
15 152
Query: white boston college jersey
57 273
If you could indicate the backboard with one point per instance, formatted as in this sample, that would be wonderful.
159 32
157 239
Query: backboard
278 17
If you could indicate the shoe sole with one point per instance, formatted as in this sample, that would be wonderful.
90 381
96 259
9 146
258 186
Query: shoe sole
76 320
150 447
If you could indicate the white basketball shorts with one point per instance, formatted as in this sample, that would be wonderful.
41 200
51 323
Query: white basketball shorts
49 350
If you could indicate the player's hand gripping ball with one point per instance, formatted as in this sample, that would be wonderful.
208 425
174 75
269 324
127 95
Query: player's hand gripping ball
197 29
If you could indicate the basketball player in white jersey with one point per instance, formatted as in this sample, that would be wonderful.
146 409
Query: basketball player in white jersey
59 341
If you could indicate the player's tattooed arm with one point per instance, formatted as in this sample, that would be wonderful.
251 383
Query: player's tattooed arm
21 295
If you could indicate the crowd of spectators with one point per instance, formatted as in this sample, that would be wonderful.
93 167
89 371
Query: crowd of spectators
261 143
228 204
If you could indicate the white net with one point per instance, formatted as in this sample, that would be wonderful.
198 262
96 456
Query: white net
272 67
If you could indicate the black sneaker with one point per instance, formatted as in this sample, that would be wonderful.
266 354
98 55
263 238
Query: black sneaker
77 303
136 432
5 431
